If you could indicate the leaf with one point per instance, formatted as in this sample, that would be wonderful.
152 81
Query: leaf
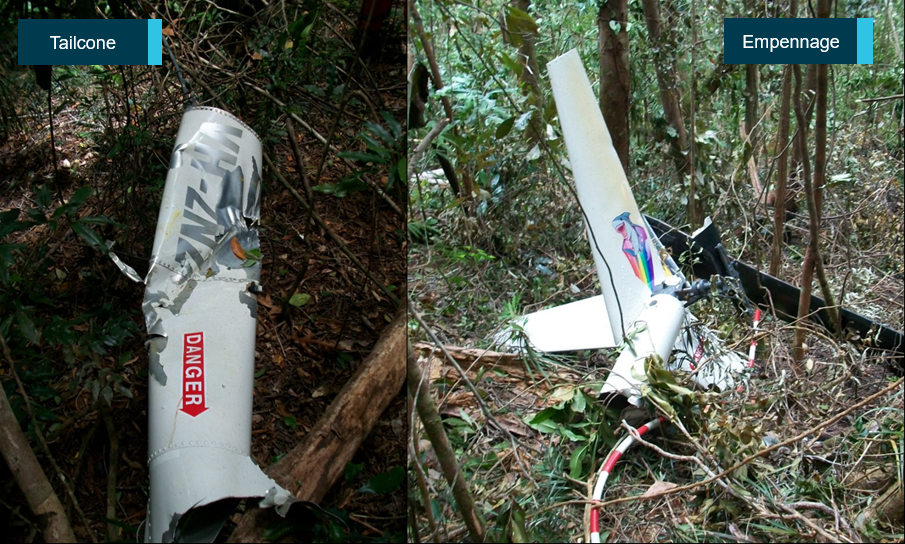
290 422
237 249
381 132
9 222
108 395
168 31
386 482
89 236
563 394
360 156
577 459
511 64
615 26
402 169
394 125
504 128
571 435
659 487
256 56
519 23
522 122
353 470
27 327
516 531
300 299
345 187
75 201
578 403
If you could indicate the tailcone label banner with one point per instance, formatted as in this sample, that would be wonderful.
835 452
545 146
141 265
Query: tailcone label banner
798 41
90 41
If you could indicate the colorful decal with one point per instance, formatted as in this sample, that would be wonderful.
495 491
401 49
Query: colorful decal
634 245
193 374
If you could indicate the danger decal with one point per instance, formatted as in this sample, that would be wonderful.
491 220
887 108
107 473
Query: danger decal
193 402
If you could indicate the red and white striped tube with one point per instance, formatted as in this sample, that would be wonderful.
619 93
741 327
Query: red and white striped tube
753 347
607 468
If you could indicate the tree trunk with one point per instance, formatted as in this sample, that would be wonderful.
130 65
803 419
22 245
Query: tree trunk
448 169
530 79
751 113
782 173
615 76
670 93
807 107
814 196
807 273
419 387
782 170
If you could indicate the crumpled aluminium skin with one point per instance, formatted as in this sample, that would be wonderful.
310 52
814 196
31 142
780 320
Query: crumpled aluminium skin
200 313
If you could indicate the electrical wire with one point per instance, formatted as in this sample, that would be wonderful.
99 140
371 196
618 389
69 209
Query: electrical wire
187 93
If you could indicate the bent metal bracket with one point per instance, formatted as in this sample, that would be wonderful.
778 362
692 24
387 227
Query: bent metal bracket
200 311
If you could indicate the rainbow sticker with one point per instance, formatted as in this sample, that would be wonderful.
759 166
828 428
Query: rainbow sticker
634 245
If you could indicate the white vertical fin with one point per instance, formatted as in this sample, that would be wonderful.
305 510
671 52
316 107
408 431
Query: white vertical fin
628 263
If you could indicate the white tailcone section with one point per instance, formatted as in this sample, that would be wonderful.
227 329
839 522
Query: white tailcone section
656 330
617 233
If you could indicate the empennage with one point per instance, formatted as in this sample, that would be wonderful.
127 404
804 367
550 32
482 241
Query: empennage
637 276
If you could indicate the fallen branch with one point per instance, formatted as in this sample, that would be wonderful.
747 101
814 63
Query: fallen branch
469 354
28 474
425 143
419 388
744 497
314 465
882 98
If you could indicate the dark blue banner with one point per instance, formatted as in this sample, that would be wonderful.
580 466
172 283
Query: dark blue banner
798 41
90 41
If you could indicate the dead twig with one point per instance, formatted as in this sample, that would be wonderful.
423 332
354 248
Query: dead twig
299 163
322 224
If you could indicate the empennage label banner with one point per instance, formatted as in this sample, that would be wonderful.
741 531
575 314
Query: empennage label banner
798 41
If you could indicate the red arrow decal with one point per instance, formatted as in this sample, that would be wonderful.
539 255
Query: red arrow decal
193 402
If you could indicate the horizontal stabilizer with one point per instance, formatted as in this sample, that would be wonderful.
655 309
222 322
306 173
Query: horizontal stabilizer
570 327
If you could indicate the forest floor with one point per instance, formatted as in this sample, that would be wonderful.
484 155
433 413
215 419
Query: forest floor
82 354
525 250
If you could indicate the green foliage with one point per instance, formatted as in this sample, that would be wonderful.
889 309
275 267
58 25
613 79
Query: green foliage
385 482
579 418
44 341
385 149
